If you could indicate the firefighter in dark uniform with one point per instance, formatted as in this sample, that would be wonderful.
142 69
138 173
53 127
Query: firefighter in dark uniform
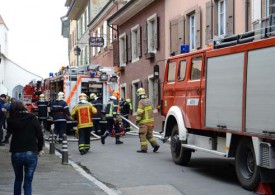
111 117
125 109
145 122
84 112
60 112
42 105
96 117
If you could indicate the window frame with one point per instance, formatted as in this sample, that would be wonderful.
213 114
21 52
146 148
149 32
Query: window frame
192 31
223 19
122 49
179 70
134 42
170 72
152 28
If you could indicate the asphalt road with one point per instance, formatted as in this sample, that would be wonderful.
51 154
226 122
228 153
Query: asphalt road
121 168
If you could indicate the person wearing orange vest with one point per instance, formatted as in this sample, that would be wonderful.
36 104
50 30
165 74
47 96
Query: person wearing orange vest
145 122
84 112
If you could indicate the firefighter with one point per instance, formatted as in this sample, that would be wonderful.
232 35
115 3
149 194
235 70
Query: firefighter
84 112
60 112
96 117
125 109
145 122
42 105
111 117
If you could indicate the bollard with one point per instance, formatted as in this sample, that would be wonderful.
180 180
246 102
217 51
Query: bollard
64 150
52 146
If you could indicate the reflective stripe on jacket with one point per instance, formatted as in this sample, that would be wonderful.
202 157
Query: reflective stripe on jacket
84 113
145 112
111 108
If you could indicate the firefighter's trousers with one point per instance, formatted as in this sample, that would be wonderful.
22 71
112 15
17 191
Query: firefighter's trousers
84 139
146 133
60 128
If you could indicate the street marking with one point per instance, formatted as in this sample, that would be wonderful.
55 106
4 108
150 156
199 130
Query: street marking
98 183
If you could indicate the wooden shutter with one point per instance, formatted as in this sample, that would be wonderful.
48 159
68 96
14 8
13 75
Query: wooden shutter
230 17
174 36
215 19
181 29
115 53
156 33
145 40
129 44
208 23
139 42
198 27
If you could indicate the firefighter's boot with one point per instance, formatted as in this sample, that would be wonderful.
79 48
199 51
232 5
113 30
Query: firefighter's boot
103 137
117 140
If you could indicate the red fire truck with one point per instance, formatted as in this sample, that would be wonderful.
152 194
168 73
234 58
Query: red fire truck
31 95
222 101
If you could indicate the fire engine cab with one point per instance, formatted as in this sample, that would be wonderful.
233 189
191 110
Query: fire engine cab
222 101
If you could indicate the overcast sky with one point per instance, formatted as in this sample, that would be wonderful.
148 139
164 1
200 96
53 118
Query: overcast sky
34 36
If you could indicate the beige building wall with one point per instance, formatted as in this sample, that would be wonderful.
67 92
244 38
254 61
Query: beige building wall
177 8
72 40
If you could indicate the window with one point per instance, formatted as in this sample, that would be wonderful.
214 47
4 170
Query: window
192 33
152 34
221 17
196 68
105 34
123 91
134 96
122 49
98 35
171 72
93 48
135 42
182 70
152 90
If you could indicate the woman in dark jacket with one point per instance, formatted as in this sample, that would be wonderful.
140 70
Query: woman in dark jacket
26 143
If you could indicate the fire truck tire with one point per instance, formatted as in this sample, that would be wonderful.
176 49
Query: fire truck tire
247 171
180 155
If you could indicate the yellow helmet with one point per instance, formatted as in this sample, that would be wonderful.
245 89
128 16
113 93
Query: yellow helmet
42 96
60 95
141 91
82 96
92 96
116 94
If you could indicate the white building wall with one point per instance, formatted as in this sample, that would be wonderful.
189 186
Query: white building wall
15 77
4 39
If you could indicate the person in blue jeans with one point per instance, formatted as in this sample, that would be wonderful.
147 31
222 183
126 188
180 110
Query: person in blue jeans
26 144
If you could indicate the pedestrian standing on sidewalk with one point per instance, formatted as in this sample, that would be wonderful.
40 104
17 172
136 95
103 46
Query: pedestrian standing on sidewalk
3 100
84 112
145 122
60 112
26 144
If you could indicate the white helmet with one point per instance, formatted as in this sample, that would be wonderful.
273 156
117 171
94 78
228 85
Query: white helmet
82 97
42 97
60 95
92 96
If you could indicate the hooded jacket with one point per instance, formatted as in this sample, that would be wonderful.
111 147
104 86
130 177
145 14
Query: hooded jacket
26 133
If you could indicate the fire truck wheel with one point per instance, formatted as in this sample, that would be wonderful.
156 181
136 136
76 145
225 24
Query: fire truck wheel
181 156
247 170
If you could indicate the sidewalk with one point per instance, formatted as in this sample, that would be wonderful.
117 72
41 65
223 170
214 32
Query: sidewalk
51 177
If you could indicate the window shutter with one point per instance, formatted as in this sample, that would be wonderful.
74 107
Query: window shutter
115 52
145 40
105 27
138 42
215 19
174 36
156 34
125 49
230 17
129 43
208 17
181 21
198 27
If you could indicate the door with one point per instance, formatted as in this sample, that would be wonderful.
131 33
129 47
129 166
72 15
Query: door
193 92
168 86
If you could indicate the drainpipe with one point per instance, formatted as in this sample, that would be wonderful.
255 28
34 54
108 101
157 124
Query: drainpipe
246 4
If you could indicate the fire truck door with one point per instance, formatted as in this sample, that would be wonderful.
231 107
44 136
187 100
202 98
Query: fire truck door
169 83
193 93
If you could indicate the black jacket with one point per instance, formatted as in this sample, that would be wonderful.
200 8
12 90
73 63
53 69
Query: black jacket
26 133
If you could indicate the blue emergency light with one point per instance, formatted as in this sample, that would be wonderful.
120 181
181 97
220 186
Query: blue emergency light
184 48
